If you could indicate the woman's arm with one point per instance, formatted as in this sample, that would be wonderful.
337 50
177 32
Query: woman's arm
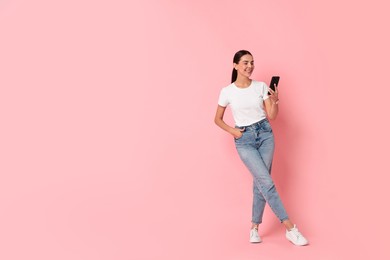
272 108
271 104
237 133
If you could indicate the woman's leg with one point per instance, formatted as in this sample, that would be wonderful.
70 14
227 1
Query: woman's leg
257 154
251 157
259 202
266 150
258 206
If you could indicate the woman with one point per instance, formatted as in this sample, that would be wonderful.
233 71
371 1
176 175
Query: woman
251 104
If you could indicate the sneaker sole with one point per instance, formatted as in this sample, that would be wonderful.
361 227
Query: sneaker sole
296 244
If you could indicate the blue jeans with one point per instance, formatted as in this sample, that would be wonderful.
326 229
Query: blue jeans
256 150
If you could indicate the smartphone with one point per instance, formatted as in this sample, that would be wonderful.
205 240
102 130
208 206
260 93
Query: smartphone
274 81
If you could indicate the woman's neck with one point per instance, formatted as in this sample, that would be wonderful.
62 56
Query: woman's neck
243 82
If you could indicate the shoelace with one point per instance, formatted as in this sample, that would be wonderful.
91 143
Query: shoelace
255 234
296 232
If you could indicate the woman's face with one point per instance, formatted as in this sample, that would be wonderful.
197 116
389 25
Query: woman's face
245 66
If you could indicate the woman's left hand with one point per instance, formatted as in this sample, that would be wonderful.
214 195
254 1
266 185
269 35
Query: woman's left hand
274 95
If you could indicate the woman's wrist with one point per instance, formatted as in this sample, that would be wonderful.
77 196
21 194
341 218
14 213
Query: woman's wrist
231 130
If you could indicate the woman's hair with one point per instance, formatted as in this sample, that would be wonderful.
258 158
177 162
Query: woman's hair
236 59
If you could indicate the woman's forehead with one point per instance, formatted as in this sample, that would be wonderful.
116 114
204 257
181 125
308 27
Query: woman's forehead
247 57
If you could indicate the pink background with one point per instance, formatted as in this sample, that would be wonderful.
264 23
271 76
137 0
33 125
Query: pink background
109 150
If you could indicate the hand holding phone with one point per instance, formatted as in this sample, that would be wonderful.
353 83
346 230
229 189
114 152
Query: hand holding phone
274 82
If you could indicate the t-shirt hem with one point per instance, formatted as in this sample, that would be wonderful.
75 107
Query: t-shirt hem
237 125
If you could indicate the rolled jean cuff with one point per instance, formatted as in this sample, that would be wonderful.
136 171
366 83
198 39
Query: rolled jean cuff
283 219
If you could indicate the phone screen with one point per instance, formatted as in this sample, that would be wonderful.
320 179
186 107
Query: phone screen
274 81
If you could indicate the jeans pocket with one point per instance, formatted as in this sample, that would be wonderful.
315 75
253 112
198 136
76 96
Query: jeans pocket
243 139
237 139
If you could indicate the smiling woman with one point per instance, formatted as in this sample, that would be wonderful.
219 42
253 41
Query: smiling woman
254 140
243 62
108 148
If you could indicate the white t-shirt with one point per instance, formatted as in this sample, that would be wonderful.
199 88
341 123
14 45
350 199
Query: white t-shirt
246 103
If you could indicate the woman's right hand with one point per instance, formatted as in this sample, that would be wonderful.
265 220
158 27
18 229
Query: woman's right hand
237 132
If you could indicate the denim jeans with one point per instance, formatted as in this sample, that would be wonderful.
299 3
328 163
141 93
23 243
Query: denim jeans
256 150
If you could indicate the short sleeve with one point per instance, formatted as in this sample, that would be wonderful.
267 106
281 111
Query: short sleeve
265 91
223 99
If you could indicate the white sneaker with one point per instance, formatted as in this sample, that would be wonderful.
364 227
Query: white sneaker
254 236
295 237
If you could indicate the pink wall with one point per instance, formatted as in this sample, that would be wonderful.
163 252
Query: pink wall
108 147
